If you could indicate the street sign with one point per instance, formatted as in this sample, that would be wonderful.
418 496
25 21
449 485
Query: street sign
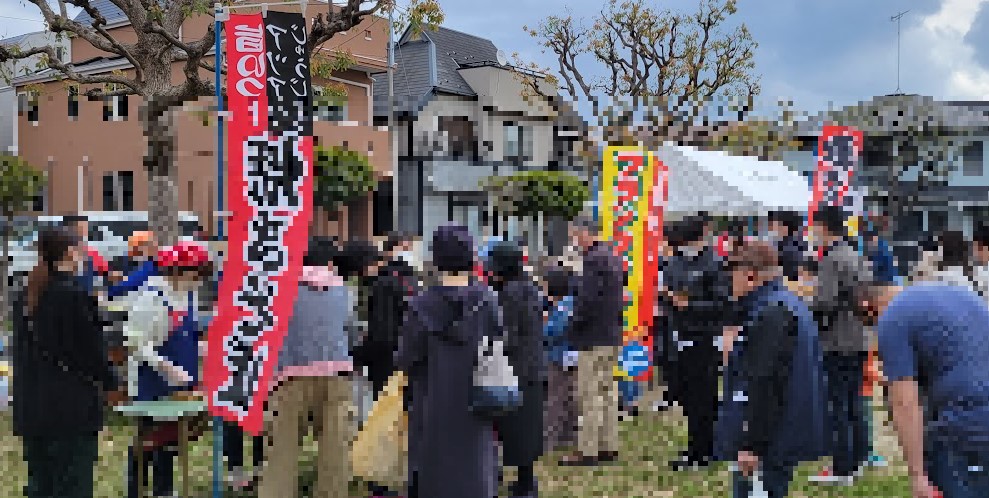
634 359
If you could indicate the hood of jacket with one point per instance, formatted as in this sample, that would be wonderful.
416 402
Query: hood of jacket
442 309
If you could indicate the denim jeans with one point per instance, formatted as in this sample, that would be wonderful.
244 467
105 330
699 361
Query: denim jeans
630 391
60 467
957 473
849 427
775 479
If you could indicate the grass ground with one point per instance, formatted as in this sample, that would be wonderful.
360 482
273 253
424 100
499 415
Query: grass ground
648 442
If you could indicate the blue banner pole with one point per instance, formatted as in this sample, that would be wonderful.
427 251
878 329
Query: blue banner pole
217 65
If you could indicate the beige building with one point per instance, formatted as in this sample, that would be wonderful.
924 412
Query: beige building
92 150
461 118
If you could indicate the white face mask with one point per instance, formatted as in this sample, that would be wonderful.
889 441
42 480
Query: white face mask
407 256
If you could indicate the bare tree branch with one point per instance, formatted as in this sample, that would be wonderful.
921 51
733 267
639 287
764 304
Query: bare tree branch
53 63
336 21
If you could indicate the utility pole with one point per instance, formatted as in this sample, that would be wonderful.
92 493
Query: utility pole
897 18
391 118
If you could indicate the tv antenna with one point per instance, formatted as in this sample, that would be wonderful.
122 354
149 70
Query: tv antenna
897 18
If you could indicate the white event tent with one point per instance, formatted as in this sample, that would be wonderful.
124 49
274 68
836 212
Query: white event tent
726 185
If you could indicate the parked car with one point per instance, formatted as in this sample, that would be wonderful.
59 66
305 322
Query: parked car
108 234
109 230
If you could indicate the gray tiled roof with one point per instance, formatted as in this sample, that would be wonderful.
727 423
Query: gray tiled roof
16 40
109 11
414 68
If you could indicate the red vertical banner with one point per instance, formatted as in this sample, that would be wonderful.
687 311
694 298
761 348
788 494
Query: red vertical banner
270 191
657 193
838 154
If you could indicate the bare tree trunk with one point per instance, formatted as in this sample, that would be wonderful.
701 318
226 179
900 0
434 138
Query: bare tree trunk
159 162
163 216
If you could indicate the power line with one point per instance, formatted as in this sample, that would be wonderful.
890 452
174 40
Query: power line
22 19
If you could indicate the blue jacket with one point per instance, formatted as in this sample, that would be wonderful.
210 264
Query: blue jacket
135 279
883 263
555 330
800 433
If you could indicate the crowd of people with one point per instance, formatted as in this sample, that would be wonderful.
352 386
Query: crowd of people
768 339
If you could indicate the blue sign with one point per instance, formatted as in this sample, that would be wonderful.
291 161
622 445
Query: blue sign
634 359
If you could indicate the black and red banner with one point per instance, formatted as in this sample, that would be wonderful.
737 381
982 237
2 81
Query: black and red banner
838 154
269 169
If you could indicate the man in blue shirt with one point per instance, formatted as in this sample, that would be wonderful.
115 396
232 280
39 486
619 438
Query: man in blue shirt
934 340
142 251
881 256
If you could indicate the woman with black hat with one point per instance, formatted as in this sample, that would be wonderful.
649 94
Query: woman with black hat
522 430
451 450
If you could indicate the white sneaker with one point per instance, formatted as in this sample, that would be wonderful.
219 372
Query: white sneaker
826 477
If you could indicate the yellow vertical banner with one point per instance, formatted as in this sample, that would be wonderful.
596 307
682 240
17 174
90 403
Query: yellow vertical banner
624 206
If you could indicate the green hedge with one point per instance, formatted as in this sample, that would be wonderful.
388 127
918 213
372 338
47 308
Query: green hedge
342 176
553 193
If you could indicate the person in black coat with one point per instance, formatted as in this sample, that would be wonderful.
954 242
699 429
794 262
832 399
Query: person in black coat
451 450
697 287
790 244
61 372
522 430
388 292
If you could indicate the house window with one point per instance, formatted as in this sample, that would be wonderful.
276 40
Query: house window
59 53
115 107
973 159
327 106
118 191
461 141
73 102
518 143
367 35
27 106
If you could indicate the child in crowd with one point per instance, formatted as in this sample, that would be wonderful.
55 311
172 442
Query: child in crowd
561 417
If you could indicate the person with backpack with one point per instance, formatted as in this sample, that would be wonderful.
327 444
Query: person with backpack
165 336
61 372
451 449
773 410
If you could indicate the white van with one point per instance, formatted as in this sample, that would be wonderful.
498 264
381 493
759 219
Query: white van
108 234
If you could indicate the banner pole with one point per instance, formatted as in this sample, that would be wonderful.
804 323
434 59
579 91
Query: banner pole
217 64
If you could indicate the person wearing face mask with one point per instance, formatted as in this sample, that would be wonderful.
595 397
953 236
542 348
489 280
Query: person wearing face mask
164 334
696 288
61 373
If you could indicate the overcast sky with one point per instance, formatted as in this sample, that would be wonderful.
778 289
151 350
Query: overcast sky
813 52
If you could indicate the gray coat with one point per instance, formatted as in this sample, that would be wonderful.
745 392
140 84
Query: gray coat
451 452
840 272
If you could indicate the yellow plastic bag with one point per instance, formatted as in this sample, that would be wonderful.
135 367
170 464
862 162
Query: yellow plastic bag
380 451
